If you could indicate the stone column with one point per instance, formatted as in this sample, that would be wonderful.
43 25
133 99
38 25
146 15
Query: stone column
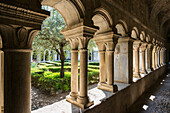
17 68
102 73
161 57
31 57
49 52
156 57
159 64
153 57
142 51
149 58
74 70
136 46
106 41
83 98
44 56
83 34
2 82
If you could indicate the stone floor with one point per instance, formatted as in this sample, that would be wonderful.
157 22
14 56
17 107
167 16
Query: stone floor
65 107
156 99
40 99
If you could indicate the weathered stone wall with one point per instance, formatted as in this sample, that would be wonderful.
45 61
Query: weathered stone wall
121 101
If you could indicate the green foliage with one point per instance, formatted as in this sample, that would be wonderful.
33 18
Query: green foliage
48 78
94 63
33 64
93 66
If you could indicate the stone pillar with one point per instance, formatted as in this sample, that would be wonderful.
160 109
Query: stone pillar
156 57
106 41
142 51
1 82
74 70
83 34
149 58
31 57
17 68
153 57
159 56
136 46
49 52
83 98
124 68
102 73
44 56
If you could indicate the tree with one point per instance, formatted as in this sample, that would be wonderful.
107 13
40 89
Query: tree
50 37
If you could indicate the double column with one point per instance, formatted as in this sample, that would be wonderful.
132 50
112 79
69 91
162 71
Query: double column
106 46
142 51
154 57
79 36
136 46
149 58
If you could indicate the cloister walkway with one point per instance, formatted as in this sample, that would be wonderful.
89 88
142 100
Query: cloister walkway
156 99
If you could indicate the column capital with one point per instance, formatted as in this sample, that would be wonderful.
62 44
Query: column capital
136 45
74 42
103 40
17 37
150 46
143 46
82 33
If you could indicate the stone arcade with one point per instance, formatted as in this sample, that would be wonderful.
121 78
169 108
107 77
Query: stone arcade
130 36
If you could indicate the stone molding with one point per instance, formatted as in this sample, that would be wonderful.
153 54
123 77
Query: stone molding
21 16
17 37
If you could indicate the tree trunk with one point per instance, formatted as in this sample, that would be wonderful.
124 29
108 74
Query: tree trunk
62 58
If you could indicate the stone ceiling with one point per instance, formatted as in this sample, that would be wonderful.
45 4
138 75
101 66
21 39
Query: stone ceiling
160 12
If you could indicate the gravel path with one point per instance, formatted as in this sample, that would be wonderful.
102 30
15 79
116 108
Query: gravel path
40 99
156 99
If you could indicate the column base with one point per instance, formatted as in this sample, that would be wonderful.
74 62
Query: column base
2 109
106 87
143 72
77 103
137 75
72 96
149 70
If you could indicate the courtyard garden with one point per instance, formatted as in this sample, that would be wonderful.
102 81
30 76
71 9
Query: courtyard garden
46 76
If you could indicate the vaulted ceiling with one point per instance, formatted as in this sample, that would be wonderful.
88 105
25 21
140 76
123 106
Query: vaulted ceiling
160 13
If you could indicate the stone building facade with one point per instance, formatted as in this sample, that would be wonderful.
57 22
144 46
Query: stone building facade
131 36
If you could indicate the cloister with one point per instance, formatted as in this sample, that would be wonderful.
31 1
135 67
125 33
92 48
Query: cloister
132 40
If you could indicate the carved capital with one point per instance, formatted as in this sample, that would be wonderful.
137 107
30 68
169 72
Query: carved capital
101 46
143 47
17 37
110 46
83 41
74 42
136 45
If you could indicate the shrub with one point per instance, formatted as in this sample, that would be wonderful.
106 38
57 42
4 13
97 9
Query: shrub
93 67
93 63
33 64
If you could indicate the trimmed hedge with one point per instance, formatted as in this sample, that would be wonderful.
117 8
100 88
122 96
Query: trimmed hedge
48 78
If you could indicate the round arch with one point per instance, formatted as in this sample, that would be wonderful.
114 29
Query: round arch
142 36
121 27
135 33
103 20
71 12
